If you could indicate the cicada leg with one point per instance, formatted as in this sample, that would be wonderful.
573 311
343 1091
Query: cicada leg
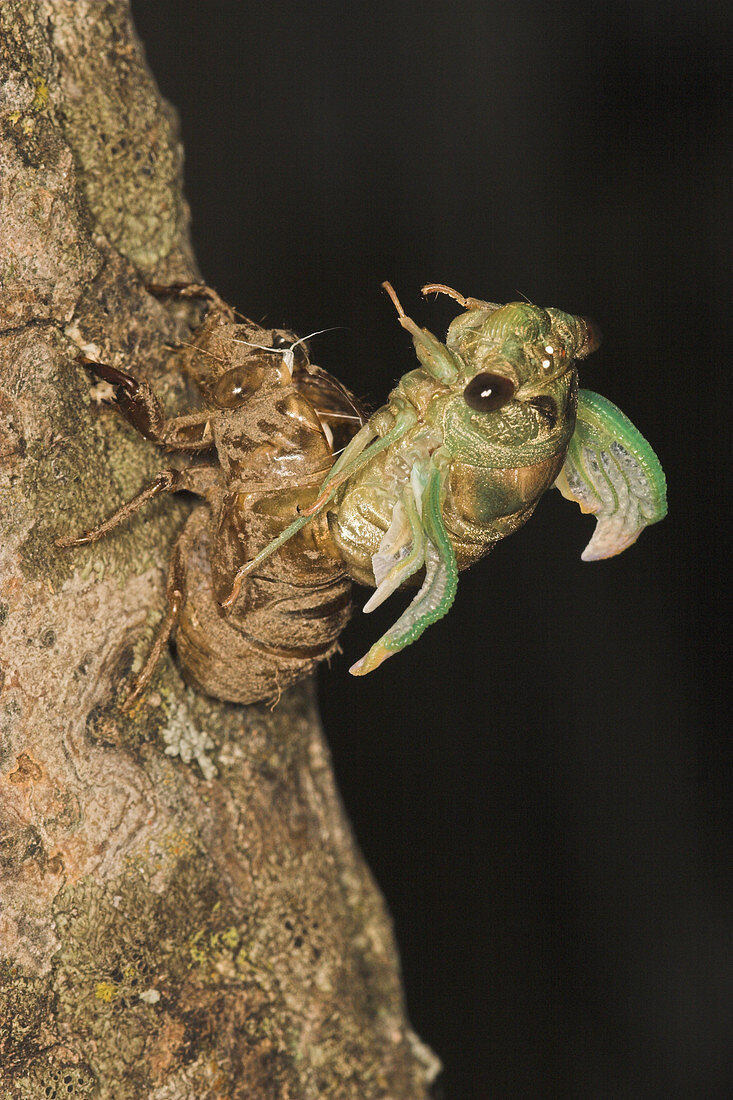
192 479
176 594
140 406
437 359
467 303
439 587
189 290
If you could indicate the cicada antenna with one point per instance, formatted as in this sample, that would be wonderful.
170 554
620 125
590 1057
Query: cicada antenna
288 353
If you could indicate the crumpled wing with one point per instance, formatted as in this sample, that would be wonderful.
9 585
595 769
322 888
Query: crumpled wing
611 471
441 576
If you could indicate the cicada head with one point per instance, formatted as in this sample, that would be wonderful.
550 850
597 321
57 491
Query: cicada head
516 398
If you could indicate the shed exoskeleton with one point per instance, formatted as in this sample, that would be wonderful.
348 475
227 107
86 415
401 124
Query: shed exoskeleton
456 459
262 445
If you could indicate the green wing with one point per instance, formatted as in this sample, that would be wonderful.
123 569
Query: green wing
428 543
611 471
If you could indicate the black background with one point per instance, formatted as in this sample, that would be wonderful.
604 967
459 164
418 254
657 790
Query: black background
540 783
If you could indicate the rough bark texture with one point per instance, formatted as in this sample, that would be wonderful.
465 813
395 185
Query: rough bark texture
183 910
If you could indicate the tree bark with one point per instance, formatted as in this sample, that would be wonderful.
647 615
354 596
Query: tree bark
183 910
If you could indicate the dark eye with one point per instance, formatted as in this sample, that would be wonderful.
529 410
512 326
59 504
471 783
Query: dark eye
488 392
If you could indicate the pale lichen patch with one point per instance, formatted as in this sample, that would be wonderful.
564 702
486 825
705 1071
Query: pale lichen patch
183 738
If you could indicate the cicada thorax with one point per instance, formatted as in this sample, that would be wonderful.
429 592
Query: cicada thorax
498 464
275 446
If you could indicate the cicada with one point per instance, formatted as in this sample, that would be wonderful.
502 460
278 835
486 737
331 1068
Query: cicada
456 459
463 450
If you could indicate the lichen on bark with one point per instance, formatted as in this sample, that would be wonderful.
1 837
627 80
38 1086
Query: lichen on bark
183 910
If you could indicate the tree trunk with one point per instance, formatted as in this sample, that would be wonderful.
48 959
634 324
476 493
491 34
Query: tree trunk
183 910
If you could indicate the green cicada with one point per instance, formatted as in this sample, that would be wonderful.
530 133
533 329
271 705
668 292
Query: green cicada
462 451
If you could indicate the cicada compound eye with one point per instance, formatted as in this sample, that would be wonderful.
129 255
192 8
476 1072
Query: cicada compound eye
236 385
593 338
488 392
